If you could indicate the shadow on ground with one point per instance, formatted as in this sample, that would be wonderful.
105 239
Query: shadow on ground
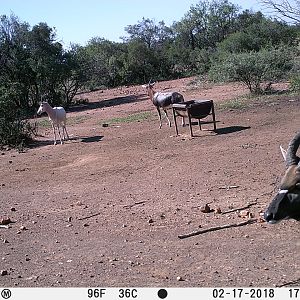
78 139
108 103
231 129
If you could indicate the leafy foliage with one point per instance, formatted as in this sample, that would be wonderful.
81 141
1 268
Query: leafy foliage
15 131
212 37
257 70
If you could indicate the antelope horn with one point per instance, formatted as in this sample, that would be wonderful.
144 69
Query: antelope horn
291 157
151 83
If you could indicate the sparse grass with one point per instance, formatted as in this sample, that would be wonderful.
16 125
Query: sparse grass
138 117
45 123
200 82
77 120
236 104
248 101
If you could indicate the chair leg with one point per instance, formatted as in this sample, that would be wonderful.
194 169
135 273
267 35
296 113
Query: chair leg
214 117
190 123
175 122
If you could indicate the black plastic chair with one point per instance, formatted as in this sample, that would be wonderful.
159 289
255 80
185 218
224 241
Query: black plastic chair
195 109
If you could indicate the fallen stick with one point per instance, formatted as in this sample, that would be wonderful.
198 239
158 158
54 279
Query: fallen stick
131 205
183 236
289 283
4 226
240 208
228 187
94 215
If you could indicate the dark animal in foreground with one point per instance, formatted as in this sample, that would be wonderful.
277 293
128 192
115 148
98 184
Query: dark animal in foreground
286 204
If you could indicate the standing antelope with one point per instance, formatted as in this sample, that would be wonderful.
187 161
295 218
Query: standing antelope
286 204
57 116
163 100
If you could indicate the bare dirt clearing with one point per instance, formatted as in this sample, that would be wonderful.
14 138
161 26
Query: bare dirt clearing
107 207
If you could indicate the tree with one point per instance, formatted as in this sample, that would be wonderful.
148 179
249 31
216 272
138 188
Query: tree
261 33
15 77
287 9
34 67
206 24
73 76
148 32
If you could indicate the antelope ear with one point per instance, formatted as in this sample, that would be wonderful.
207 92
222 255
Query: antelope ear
283 152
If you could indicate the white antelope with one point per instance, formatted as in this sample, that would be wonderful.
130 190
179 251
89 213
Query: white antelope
57 117
286 204
163 100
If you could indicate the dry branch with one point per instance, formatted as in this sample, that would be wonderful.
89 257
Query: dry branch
136 203
240 208
183 236
228 187
94 215
290 283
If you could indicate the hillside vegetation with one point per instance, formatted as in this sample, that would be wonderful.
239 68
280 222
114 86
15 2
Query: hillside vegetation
213 38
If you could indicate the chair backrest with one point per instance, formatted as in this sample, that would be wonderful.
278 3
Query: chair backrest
200 108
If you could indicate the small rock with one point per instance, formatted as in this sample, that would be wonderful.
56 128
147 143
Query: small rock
245 214
218 210
3 272
114 259
13 209
179 278
23 228
206 209
150 221
5 221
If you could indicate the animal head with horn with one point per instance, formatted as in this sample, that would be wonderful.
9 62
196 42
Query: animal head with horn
286 204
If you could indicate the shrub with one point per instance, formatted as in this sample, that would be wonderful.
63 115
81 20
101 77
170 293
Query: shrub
15 131
295 76
257 70
295 83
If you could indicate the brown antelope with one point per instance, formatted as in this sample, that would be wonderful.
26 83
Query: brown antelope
286 204
163 100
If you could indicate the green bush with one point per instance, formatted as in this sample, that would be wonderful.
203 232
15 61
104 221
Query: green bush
295 83
15 131
295 76
257 70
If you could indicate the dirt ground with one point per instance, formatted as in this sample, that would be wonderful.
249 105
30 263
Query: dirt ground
107 207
